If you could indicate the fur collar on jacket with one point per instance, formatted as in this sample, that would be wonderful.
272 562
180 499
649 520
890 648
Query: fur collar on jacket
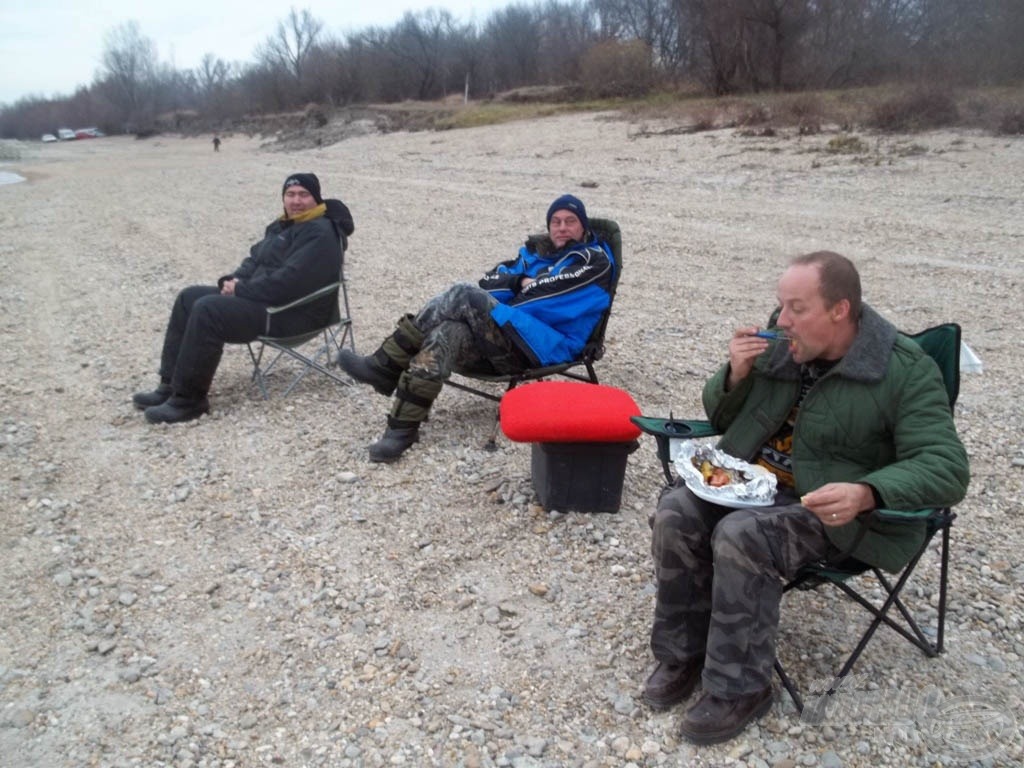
867 359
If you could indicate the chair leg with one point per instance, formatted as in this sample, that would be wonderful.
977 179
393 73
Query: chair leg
325 349
881 616
257 371
790 686
313 362
943 586
347 332
922 642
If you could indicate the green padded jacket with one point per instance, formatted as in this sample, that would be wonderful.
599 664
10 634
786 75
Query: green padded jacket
880 416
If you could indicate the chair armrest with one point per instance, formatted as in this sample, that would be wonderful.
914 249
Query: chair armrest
675 429
903 515
935 518
667 430
326 290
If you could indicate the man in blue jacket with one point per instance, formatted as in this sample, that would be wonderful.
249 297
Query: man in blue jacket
534 310
299 254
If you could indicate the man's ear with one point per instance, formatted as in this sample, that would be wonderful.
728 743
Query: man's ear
840 310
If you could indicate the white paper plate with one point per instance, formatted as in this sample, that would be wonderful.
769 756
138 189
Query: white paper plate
701 491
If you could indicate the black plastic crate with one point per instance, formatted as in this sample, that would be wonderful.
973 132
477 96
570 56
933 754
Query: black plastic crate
585 477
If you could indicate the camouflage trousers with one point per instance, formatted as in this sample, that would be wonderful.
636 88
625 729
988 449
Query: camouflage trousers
460 335
720 575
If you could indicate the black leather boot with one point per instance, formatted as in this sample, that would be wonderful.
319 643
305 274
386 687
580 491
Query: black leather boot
159 396
177 409
398 436
369 370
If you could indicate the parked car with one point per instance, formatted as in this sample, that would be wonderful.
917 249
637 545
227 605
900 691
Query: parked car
49 137
88 133
65 134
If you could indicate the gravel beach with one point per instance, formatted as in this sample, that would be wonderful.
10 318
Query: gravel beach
248 590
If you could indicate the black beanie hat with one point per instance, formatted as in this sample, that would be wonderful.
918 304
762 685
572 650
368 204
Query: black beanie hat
571 204
308 181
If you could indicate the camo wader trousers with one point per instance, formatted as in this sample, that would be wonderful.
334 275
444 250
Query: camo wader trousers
458 334
720 575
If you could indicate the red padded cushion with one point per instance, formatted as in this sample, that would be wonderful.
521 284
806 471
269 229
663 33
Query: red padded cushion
568 412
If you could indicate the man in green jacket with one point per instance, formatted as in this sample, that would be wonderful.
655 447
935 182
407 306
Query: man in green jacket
849 416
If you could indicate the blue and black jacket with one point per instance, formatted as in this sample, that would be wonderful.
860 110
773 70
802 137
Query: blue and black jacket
551 319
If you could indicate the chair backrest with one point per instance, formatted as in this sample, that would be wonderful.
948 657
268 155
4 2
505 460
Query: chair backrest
609 231
341 292
942 344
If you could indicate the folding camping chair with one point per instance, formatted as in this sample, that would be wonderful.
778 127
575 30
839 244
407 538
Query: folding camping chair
329 339
593 351
942 343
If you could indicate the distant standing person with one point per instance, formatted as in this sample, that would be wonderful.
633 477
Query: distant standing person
216 143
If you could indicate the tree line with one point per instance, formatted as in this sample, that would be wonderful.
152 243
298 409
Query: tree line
607 48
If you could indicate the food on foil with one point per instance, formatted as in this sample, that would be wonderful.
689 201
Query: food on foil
715 475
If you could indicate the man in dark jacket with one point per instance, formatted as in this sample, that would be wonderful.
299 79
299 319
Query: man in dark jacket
849 416
300 253
536 309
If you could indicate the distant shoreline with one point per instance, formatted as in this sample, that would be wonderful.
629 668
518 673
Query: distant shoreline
6 177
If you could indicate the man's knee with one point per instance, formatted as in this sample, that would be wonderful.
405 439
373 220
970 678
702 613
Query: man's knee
738 538
676 498
463 291
208 306
666 519
675 528
185 302
226 318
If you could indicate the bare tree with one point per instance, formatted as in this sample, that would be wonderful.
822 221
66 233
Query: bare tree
653 22
211 81
774 32
971 40
289 47
467 58
420 41
746 44
568 30
212 75
129 65
513 40
719 41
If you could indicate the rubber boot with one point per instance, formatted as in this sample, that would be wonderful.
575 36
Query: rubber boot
398 436
178 409
382 369
159 396
413 399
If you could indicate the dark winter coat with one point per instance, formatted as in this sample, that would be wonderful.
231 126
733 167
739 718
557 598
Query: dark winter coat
296 258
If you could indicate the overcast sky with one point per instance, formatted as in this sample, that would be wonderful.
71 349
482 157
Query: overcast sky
50 47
